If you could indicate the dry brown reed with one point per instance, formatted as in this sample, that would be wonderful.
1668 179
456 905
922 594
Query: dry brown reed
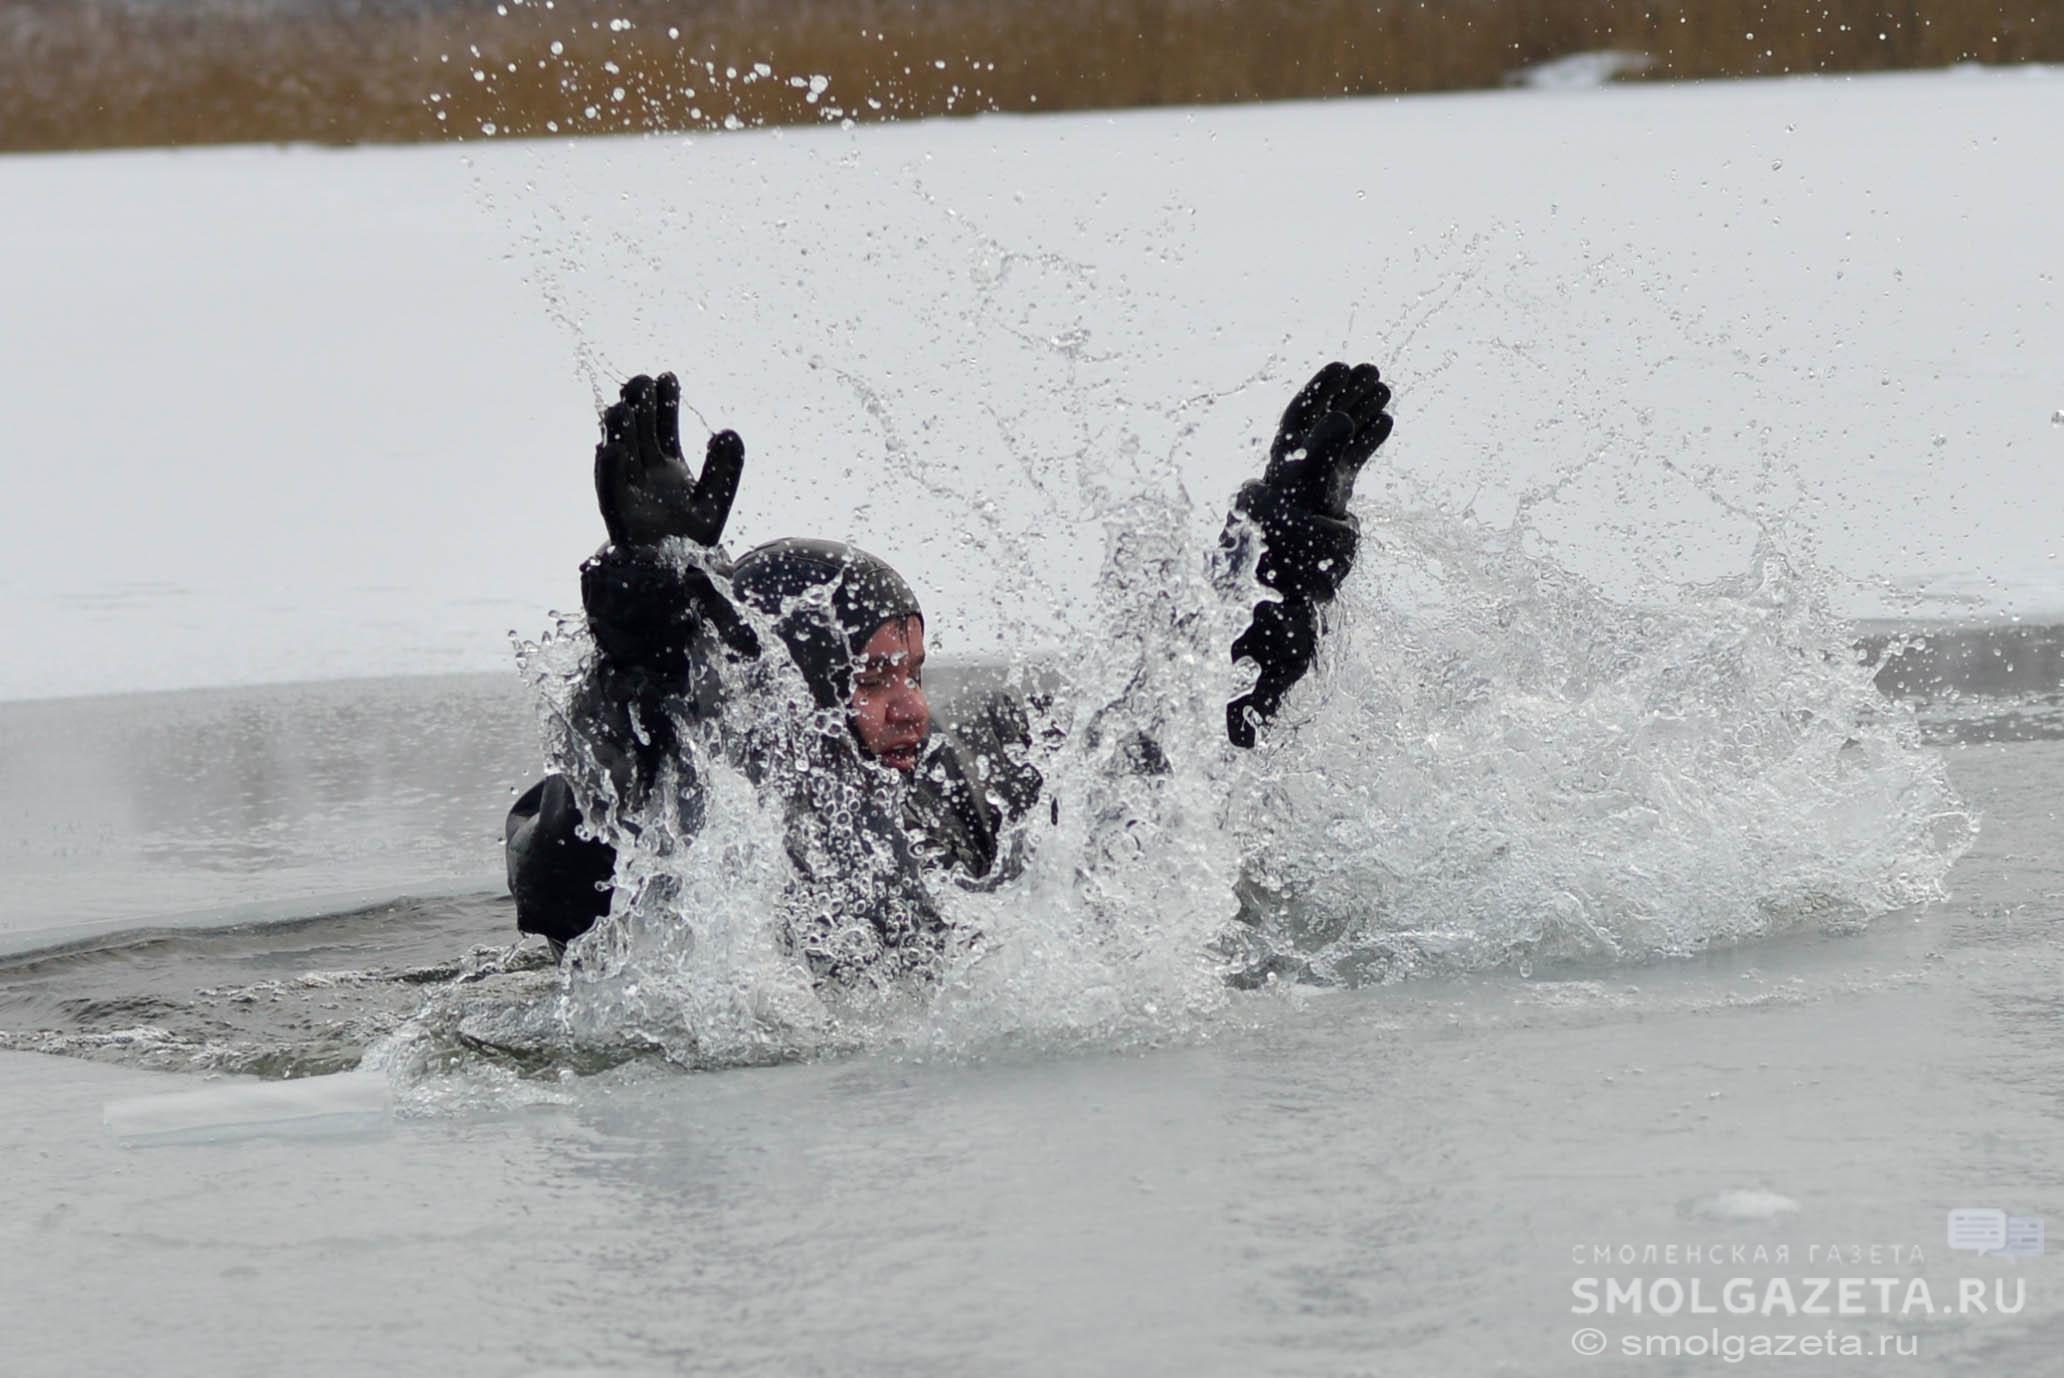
102 75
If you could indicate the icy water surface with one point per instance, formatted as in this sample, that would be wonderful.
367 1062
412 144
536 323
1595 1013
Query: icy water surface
273 881
1381 1181
278 880
295 800
1385 1180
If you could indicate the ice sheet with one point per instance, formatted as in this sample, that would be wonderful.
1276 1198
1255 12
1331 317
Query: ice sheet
294 413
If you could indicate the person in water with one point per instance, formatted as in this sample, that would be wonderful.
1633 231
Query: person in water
884 803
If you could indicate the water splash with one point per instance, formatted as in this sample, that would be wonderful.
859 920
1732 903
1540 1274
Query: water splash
1525 770
1499 762
1496 765
1105 935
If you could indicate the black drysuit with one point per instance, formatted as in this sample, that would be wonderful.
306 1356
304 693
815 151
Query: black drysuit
662 626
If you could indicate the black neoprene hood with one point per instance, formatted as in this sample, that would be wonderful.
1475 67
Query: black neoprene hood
864 594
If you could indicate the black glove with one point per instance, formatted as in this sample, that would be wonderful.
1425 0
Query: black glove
1308 541
646 607
1281 640
1327 435
641 481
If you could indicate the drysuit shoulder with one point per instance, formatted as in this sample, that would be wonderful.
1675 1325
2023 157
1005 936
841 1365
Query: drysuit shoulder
560 879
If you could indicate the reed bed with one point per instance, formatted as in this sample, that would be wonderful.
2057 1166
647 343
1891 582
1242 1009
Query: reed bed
152 72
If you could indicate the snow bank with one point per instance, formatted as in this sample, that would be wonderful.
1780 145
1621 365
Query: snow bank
1582 71
288 413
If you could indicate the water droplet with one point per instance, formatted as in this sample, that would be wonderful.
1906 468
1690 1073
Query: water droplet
2057 417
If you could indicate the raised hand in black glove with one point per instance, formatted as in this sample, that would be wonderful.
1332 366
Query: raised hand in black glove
646 606
1328 433
1298 508
641 480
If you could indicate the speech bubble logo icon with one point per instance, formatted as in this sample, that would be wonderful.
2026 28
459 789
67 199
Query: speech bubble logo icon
2024 1236
1978 1229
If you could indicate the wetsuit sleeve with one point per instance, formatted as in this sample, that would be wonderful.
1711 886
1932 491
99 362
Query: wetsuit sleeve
657 622
658 619
658 612
1302 555
1291 532
560 879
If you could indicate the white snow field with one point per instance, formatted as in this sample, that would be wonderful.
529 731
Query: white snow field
284 414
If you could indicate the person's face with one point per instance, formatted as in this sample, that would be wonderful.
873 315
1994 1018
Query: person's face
890 714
